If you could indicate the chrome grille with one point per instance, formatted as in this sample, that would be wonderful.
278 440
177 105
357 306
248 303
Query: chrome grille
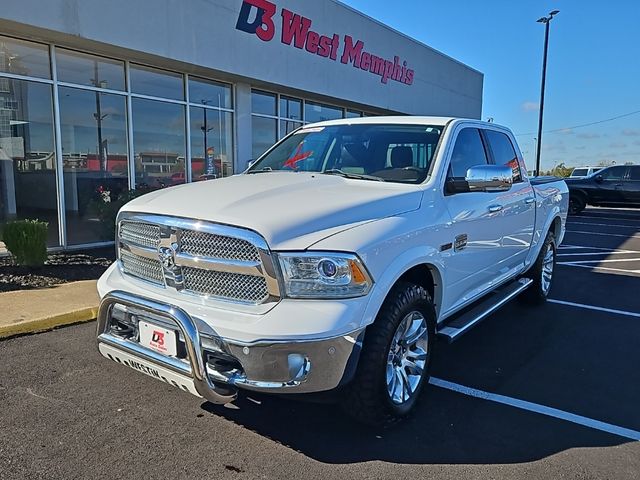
143 234
216 261
145 268
243 288
205 244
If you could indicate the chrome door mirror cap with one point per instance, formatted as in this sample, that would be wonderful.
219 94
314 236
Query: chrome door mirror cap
489 178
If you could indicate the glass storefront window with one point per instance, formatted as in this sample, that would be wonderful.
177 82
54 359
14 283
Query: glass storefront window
207 92
263 103
156 83
24 58
265 134
27 154
159 143
317 112
94 156
287 127
291 108
353 114
211 144
84 69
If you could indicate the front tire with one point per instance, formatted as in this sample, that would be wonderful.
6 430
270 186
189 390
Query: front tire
542 273
577 203
395 361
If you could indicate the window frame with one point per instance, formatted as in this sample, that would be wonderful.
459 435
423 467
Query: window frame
490 152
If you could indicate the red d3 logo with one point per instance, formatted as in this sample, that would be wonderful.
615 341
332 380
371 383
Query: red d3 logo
158 337
262 25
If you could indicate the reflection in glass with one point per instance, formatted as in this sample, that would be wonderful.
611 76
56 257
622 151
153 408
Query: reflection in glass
156 83
94 155
317 112
84 69
291 108
263 103
264 135
211 144
27 154
158 143
353 114
287 127
24 58
207 92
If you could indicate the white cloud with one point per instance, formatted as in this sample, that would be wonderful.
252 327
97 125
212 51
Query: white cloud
588 136
631 132
530 106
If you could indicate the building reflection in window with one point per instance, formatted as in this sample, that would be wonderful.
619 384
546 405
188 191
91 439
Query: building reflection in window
94 154
159 143
211 143
27 154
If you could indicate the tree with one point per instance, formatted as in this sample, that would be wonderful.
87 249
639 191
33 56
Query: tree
560 170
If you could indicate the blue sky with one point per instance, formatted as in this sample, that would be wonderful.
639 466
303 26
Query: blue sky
593 71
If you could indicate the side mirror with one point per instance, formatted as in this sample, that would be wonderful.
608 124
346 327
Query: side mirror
599 178
489 178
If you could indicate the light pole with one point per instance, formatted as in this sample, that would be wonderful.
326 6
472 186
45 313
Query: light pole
547 21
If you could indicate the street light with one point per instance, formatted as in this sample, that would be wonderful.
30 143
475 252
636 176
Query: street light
547 21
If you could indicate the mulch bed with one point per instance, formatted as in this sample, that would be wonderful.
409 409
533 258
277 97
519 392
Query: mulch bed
59 268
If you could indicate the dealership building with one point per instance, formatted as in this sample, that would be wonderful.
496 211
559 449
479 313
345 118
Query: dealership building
101 98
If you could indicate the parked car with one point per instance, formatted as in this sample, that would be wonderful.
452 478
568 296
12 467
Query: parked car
332 263
582 172
617 186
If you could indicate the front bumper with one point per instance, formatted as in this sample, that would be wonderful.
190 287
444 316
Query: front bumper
213 367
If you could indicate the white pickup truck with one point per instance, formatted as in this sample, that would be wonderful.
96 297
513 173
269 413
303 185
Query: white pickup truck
332 263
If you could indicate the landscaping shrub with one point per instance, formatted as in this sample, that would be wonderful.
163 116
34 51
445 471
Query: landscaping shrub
27 241
107 208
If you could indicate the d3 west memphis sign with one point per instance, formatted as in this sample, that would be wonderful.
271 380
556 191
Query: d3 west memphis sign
257 17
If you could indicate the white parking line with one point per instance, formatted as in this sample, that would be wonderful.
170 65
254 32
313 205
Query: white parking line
604 234
608 260
603 225
537 408
569 264
593 307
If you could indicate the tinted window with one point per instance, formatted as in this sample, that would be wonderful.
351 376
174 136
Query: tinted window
157 83
467 152
24 58
317 112
84 69
504 153
613 173
580 172
634 173
263 103
207 92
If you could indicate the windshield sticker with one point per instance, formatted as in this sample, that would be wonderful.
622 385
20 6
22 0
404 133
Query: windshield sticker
309 130
298 156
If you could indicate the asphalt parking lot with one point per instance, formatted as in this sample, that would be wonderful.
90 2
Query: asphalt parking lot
549 392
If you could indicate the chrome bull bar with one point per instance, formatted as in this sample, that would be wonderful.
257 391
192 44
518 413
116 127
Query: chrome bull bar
195 368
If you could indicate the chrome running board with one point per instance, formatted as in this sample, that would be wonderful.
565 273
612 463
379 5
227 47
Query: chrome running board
457 326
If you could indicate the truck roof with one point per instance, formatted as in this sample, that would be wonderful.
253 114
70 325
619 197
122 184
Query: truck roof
397 119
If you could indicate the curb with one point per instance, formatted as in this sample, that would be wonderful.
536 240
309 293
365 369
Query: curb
48 323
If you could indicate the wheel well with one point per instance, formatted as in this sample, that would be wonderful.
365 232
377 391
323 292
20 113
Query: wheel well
579 194
428 277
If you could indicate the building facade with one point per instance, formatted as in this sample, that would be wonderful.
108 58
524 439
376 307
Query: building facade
98 99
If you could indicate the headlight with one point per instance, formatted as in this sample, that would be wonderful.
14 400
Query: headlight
324 275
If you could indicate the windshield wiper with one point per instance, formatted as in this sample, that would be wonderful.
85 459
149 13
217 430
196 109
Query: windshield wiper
357 176
261 170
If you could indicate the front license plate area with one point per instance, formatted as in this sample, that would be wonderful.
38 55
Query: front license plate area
158 339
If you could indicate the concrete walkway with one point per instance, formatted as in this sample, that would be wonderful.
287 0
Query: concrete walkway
28 311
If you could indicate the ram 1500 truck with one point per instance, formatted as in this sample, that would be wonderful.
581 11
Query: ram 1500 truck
332 263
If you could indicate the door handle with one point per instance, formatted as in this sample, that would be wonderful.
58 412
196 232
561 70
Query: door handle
530 200
495 208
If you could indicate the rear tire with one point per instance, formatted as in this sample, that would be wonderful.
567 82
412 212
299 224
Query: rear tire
577 204
541 273
395 360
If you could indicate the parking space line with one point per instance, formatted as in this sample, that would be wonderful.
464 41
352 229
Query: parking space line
576 247
593 307
537 408
592 267
620 252
608 260
604 234
602 224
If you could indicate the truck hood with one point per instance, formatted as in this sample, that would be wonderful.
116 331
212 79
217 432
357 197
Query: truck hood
291 210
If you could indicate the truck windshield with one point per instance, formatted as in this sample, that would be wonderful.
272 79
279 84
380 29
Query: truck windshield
392 153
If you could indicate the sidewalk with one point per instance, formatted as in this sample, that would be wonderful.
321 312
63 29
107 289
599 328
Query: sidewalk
28 311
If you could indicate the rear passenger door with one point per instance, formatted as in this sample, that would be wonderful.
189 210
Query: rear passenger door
516 219
608 189
631 185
